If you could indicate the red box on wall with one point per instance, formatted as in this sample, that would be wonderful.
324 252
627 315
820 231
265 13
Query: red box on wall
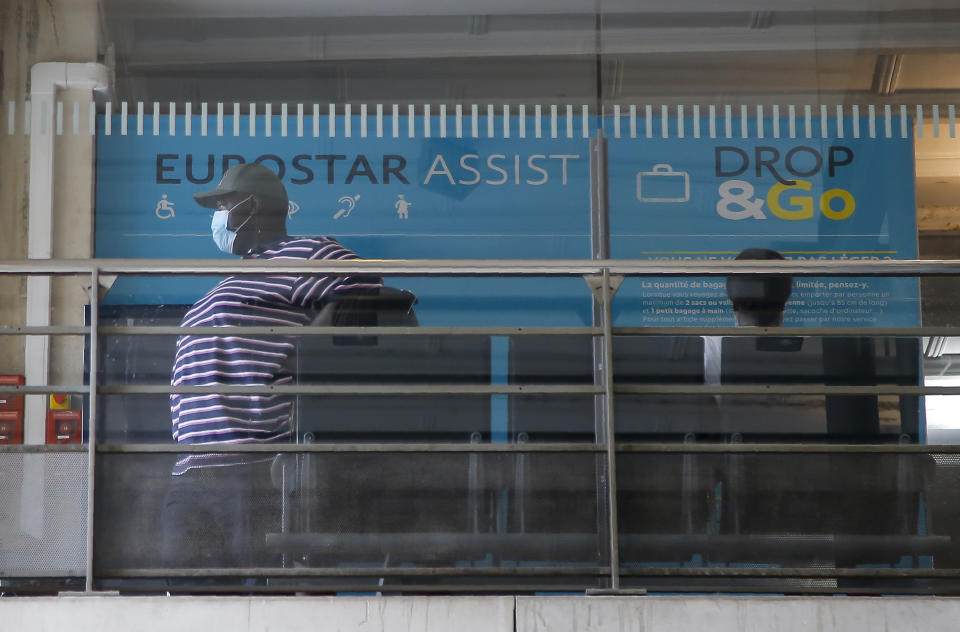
9 401
64 426
11 426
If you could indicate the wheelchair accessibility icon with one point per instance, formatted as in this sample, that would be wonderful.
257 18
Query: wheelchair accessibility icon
663 184
164 208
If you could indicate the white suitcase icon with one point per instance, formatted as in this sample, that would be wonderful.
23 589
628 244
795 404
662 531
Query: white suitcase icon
663 184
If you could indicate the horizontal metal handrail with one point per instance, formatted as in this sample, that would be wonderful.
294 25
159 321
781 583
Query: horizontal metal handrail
789 332
528 587
385 330
450 571
484 267
42 448
782 389
69 389
367 389
294 331
492 448
633 447
387 448
533 571
785 573
355 331
42 574
395 388
622 447
48 330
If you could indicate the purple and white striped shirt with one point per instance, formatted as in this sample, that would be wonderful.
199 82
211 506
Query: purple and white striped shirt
209 360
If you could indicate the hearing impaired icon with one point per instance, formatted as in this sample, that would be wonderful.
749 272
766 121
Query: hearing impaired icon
349 203
663 184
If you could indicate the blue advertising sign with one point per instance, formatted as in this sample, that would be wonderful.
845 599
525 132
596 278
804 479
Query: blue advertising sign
385 195
413 188
823 197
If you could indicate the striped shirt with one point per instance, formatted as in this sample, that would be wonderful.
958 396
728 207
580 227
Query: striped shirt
215 360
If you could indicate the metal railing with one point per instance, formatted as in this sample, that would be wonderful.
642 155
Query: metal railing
601 272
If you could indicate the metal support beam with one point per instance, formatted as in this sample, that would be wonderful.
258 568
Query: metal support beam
92 419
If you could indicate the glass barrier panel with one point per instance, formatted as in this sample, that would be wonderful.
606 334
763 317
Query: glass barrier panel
804 364
939 293
323 511
787 511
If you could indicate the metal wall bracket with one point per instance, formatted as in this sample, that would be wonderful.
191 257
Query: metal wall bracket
106 282
595 283
616 592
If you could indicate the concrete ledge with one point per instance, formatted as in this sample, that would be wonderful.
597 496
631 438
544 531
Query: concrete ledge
737 614
103 613
256 614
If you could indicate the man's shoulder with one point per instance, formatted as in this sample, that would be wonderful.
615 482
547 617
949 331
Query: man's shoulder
299 247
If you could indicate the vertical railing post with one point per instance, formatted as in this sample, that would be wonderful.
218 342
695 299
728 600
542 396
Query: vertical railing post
600 251
607 356
92 415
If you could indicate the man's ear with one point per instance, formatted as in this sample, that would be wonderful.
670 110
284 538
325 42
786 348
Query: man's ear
255 205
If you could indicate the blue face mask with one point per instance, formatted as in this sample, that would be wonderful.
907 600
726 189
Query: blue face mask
223 236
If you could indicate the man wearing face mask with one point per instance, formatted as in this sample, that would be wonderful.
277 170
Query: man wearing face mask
220 504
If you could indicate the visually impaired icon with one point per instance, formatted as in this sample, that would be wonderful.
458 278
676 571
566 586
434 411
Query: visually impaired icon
663 184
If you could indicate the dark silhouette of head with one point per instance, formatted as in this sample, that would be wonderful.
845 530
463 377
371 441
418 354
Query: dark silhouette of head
257 201
759 300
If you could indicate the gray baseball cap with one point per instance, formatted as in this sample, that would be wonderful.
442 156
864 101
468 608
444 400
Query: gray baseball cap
249 177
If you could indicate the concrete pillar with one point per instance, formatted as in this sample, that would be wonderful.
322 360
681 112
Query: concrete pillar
36 31
32 32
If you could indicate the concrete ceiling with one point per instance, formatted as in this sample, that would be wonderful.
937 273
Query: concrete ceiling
535 50
553 51
330 8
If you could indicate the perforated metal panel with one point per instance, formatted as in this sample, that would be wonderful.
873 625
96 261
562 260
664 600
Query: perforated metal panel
43 513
